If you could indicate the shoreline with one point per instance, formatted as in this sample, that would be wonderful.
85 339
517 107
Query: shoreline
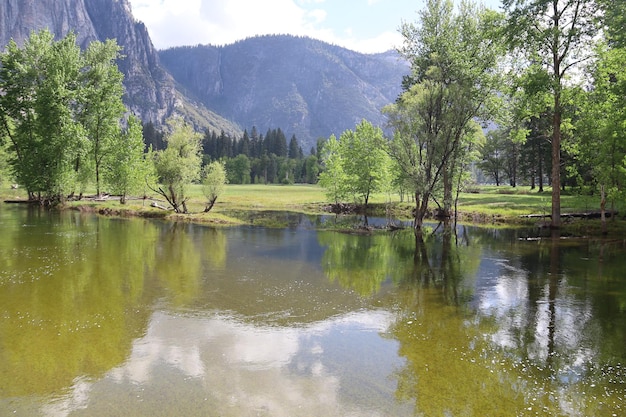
261 211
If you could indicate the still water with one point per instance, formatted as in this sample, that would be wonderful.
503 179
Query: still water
131 317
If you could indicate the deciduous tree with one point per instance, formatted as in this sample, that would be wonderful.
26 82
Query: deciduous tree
555 36
213 183
601 126
178 164
356 165
128 168
102 108
453 59
40 92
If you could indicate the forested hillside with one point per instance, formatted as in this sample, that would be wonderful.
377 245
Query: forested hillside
306 87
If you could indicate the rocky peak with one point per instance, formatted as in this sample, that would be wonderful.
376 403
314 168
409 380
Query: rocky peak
150 90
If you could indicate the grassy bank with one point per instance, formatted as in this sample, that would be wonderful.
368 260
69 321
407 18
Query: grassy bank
486 205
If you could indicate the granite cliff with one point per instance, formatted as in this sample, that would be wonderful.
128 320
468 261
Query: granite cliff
151 92
306 87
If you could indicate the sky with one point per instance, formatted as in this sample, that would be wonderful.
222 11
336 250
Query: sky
367 26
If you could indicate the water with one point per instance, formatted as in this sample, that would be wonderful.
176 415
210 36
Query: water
120 317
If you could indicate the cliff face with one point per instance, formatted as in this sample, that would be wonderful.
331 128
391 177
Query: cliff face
150 90
19 18
302 85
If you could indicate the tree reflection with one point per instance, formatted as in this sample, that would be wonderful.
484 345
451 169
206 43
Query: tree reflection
362 262
543 318
179 263
503 333
66 314
449 370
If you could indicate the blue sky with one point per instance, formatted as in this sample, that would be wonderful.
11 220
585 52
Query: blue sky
362 25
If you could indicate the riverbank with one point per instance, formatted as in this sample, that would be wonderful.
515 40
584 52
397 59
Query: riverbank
493 206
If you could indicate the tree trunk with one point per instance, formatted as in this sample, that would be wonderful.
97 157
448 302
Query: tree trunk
210 205
447 190
556 121
421 207
417 222
556 164
602 209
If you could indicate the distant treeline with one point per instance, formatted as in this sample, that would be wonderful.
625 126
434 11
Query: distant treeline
253 158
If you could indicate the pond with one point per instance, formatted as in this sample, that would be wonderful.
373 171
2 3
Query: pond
133 317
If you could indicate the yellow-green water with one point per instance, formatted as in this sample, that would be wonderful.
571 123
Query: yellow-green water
130 317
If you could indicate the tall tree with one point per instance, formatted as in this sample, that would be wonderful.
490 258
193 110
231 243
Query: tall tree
311 169
333 178
453 58
238 169
103 107
40 92
294 149
357 165
365 161
556 36
128 168
493 155
600 126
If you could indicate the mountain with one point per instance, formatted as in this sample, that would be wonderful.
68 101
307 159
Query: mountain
304 86
150 90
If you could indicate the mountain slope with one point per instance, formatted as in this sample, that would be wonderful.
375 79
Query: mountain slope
150 90
306 87
303 86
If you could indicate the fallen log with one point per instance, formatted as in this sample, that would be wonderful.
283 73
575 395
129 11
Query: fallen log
583 215
22 201
157 205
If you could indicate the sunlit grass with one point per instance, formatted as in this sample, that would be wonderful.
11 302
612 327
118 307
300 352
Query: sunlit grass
486 204
273 196
517 201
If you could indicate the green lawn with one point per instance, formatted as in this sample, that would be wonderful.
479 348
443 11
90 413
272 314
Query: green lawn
506 204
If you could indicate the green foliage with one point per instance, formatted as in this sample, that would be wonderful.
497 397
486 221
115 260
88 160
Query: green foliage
364 160
493 154
357 165
333 178
453 60
40 96
238 169
269 160
179 164
61 111
554 38
213 182
102 107
128 169
600 125
312 169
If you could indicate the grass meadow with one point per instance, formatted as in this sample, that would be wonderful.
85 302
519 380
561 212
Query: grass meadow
485 205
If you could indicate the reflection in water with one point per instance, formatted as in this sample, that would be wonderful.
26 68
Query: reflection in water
220 366
486 331
105 316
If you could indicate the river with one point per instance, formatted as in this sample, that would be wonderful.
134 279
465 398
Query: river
132 317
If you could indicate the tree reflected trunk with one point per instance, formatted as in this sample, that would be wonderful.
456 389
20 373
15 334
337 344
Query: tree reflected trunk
553 285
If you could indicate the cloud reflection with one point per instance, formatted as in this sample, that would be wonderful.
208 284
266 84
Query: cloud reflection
238 368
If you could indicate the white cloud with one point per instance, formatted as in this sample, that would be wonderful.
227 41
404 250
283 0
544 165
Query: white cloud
381 43
217 22
221 22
